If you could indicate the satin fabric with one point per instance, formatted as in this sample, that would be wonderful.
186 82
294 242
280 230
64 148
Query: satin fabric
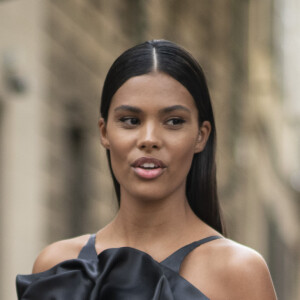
116 273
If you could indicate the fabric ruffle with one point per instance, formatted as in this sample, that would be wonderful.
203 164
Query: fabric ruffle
117 273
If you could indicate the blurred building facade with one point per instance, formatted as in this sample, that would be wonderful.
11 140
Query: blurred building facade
53 173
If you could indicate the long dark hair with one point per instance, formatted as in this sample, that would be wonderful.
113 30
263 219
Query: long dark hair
167 57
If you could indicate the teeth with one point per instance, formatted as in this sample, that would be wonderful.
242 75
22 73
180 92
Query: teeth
148 165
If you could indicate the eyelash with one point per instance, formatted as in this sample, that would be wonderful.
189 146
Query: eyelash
125 119
181 121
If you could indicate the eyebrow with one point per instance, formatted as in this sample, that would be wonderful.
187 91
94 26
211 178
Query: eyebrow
174 107
133 109
168 109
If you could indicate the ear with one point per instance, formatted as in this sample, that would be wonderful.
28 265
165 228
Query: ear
103 133
203 135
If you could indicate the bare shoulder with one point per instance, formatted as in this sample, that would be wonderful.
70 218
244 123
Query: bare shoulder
249 274
58 252
230 270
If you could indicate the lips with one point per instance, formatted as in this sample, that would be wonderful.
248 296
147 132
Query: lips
148 160
148 167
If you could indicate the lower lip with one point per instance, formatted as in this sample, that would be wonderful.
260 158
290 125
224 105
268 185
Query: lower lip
148 173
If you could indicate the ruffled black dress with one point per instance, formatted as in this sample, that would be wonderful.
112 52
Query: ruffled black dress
115 274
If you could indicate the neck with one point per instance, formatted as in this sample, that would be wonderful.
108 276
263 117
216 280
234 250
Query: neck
142 224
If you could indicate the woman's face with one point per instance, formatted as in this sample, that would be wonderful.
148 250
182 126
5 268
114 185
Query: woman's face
152 133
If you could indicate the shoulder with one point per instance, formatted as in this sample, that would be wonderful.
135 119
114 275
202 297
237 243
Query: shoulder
245 272
58 252
232 271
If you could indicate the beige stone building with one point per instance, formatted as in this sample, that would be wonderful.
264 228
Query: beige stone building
54 181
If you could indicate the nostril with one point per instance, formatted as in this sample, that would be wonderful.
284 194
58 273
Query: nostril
148 146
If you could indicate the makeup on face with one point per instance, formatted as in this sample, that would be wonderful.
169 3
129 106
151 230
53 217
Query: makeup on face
152 129
148 167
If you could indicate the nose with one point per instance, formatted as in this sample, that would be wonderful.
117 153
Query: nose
149 137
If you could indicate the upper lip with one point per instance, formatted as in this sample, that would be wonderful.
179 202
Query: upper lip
140 161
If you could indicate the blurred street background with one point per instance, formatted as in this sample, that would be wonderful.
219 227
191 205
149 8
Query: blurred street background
54 180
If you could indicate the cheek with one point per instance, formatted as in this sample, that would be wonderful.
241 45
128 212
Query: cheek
183 144
117 163
118 151
119 140
120 147
183 150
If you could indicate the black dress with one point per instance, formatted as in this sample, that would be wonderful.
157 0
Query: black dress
115 274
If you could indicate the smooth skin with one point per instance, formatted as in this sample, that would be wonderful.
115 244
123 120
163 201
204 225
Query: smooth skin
155 116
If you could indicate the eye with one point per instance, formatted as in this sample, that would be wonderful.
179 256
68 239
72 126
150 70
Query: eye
175 121
131 121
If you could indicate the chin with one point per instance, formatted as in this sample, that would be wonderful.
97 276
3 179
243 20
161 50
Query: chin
151 193
150 196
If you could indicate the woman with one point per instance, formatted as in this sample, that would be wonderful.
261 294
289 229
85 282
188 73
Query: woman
166 240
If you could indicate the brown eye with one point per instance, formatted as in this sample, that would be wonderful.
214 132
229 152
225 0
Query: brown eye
130 121
175 121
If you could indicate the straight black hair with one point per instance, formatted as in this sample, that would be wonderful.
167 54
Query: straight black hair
167 57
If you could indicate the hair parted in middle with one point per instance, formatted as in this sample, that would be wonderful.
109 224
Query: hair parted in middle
169 58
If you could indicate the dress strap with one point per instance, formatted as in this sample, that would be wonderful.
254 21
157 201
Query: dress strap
89 251
175 260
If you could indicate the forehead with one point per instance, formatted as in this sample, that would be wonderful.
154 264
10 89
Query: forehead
155 90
